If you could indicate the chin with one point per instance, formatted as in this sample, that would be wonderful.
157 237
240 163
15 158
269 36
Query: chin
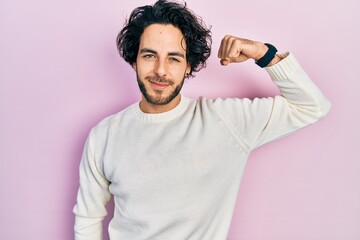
160 100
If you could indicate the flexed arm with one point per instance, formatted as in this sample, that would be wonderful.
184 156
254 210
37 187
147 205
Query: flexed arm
261 120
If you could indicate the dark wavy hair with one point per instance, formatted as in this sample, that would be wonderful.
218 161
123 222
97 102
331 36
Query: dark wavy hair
196 34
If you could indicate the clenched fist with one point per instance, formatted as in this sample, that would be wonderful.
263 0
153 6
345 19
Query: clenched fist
233 49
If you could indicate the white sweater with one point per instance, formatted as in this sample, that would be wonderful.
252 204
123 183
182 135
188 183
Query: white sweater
175 175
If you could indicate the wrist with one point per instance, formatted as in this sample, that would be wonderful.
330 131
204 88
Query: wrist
269 58
262 49
275 60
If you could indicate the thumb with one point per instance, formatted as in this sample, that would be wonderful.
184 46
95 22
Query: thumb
227 61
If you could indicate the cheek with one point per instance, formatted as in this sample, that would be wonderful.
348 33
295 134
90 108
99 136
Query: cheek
144 69
178 70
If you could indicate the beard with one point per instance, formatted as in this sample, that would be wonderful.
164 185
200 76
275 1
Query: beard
158 98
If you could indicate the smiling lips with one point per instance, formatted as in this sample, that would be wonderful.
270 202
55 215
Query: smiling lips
159 85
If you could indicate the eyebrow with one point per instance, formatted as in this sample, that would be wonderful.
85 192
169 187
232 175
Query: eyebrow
147 50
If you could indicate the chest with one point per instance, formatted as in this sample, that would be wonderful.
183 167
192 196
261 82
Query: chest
170 160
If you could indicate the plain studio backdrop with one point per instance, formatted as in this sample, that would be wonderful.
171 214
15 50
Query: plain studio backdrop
60 74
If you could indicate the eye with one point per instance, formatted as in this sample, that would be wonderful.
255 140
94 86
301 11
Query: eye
148 56
174 60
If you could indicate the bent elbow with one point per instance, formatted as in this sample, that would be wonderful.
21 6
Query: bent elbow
311 114
324 108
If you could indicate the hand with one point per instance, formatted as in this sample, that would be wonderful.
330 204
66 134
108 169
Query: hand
233 49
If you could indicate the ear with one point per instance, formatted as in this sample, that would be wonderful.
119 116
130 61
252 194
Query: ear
134 66
188 69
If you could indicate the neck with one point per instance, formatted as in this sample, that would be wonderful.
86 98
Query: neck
147 107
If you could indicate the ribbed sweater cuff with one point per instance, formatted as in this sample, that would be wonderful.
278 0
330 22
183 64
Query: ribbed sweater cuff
283 69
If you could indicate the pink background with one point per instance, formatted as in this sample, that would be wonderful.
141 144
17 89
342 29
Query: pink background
60 74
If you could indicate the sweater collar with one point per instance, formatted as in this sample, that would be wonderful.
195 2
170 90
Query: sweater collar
164 116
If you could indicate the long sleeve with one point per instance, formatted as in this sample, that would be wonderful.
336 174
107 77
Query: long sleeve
258 121
166 188
92 197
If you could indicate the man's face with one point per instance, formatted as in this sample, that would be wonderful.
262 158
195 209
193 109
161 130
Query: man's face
161 63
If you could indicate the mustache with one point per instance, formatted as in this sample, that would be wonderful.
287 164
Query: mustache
159 79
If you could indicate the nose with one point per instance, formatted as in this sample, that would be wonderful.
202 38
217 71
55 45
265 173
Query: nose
160 68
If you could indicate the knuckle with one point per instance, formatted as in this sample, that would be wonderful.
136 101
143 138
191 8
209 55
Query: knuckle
227 37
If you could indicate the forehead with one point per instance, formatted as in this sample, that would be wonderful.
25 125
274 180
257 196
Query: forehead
163 37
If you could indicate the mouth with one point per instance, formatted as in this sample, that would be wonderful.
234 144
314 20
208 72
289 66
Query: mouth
159 85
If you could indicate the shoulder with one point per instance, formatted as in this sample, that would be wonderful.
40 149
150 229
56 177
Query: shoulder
113 121
220 105
223 103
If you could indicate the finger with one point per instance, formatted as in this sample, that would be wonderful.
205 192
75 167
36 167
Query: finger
235 49
229 52
223 47
229 46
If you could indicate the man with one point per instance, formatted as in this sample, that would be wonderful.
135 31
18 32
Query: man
173 164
